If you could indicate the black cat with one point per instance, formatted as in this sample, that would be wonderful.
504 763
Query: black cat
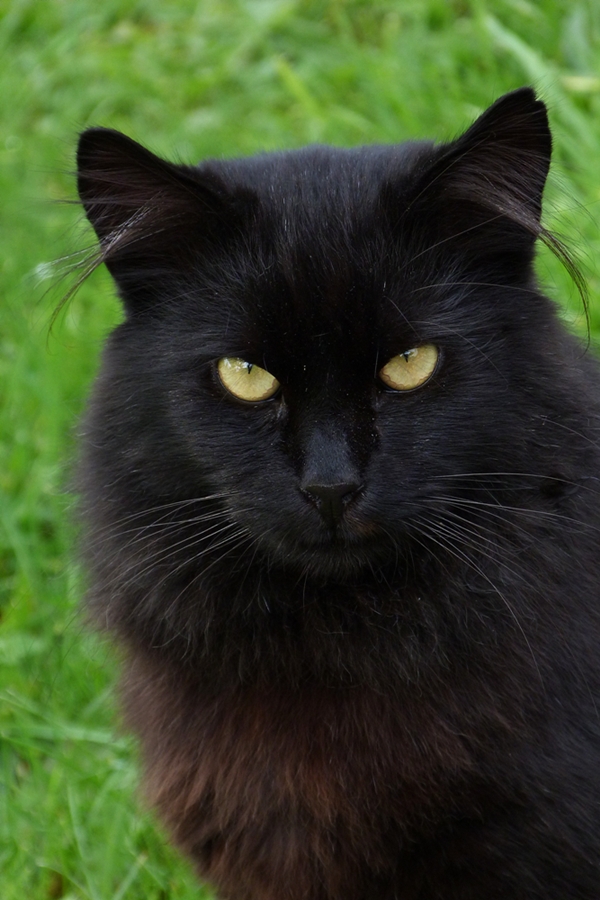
340 494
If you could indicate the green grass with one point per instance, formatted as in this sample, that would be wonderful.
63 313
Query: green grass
214 77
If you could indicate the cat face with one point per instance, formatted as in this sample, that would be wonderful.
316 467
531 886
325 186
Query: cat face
314 340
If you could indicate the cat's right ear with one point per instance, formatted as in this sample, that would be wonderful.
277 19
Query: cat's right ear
150 215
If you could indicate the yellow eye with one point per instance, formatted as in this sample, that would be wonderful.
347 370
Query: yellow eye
246 381
411 369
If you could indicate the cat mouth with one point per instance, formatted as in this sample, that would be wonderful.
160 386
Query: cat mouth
335 552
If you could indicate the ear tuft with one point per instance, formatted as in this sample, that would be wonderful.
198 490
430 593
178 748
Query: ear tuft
125 187
502 160
152 217
482 193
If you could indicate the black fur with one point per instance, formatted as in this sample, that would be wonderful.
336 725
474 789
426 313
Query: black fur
403 706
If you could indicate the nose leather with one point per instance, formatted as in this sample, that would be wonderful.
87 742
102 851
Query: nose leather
330 476
331 499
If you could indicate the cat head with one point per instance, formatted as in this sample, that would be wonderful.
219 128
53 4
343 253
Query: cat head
316 343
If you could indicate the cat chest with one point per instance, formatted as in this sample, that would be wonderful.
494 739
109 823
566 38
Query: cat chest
301 779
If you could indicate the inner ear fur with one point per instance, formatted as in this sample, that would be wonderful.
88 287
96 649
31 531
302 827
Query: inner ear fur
484 190
147 211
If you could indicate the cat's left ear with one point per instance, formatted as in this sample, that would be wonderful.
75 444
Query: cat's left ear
484 190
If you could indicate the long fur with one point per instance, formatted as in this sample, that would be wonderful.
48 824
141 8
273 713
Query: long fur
403 706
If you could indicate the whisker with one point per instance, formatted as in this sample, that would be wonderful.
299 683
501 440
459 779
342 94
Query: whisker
173 549
567 428
495 286
540 514
493 532
160 529
242 534
488 480
164 506
447 545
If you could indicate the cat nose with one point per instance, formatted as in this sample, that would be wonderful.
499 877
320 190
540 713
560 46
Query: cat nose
331 499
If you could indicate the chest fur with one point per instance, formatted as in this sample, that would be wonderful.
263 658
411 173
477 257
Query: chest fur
302 793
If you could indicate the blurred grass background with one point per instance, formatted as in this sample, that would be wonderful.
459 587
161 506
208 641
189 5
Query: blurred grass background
195 79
